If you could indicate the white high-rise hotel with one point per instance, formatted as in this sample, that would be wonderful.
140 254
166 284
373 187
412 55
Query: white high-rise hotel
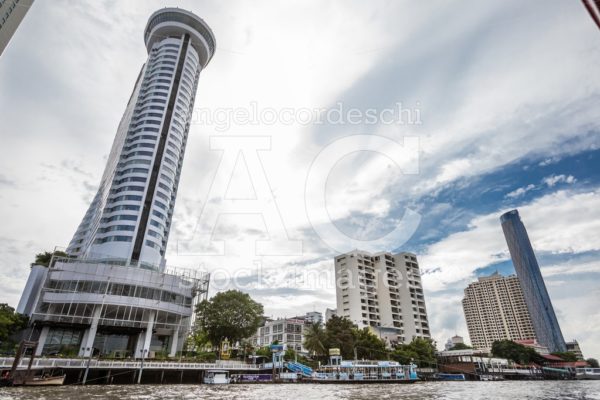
113 294
130 216
382 291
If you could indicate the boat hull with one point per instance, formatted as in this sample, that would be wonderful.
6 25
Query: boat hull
49 381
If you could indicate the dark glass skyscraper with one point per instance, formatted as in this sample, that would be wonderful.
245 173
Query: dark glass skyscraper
536 296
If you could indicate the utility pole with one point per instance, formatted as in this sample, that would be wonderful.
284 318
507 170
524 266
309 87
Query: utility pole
87 367
139 378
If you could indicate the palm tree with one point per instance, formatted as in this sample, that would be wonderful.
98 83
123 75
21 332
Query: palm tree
314 339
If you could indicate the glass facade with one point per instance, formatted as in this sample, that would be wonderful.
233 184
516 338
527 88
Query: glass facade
62 341
545 324
115 345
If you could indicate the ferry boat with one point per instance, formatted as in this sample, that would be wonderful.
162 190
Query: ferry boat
587 373
358 371
216 377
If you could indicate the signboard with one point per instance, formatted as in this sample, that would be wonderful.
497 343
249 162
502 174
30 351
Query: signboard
275 348
334 352
254 378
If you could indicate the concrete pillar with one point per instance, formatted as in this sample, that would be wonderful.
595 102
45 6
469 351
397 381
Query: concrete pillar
174 342
83 340
42 340
88 343
139 344
146 337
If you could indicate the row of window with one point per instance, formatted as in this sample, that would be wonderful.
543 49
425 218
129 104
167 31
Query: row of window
117 228
116 238
123 207
119 289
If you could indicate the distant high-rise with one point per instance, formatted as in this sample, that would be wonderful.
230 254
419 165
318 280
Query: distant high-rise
129 219
382 291
545 324
495 309
12 13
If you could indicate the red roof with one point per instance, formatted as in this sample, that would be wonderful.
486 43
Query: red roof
525 341
550 357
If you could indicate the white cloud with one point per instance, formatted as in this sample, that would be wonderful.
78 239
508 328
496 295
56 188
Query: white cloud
549 161
555 224
520 191
491 90
554 179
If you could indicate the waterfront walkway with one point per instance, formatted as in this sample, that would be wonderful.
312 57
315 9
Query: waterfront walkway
78 363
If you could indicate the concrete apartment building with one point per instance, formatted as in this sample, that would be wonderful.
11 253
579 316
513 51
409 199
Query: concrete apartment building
329 313
495 309
382 291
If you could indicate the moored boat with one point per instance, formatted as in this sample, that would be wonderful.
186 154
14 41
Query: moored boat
358 371
216 377
45 380
587 373
449 377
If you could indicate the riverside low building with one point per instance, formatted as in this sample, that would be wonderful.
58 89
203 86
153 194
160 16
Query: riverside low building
288 332
87 307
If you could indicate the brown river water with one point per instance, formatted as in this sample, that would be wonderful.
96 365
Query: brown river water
509 390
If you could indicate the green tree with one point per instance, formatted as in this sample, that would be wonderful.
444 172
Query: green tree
421 351
10 324
290 354
45 257
368 345
592 362
197 340
460 346
315 340
264 351
231 314
515 352
339 334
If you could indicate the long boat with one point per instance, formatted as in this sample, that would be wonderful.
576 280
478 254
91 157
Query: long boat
360 371
45 381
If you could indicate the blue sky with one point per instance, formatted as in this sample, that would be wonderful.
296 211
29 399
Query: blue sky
508 98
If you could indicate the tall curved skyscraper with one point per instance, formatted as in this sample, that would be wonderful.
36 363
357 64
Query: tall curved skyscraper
129 218
546 327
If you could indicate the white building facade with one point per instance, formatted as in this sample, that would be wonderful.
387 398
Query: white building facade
495 309
313 317
329 313
288 332
129 218
112 294
382 291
